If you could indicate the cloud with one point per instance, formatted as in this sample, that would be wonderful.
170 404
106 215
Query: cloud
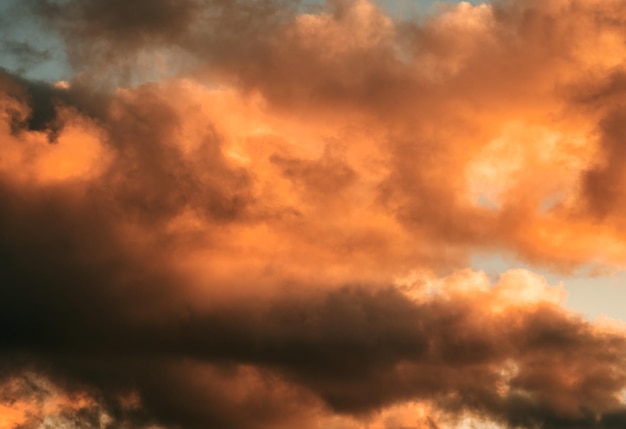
271 229
26 54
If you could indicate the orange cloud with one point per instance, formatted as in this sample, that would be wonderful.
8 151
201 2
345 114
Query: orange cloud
273 232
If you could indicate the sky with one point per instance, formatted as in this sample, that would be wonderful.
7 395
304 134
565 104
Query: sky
342 214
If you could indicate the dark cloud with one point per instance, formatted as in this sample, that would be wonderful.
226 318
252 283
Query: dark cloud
152 176
324 177
356 348
602 182
107 39
123 24
44 99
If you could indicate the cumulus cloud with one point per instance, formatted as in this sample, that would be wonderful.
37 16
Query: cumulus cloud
258 214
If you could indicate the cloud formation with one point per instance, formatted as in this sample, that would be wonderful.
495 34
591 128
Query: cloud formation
257 214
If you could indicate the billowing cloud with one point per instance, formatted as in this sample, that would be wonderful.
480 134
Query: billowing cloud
258 214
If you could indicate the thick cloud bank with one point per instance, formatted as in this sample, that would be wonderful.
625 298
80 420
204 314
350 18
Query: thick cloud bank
259 214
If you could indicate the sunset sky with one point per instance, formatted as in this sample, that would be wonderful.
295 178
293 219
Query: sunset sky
341 214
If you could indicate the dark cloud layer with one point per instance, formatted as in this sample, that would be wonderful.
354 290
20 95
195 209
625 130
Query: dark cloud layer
89 313
106 36
233 246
